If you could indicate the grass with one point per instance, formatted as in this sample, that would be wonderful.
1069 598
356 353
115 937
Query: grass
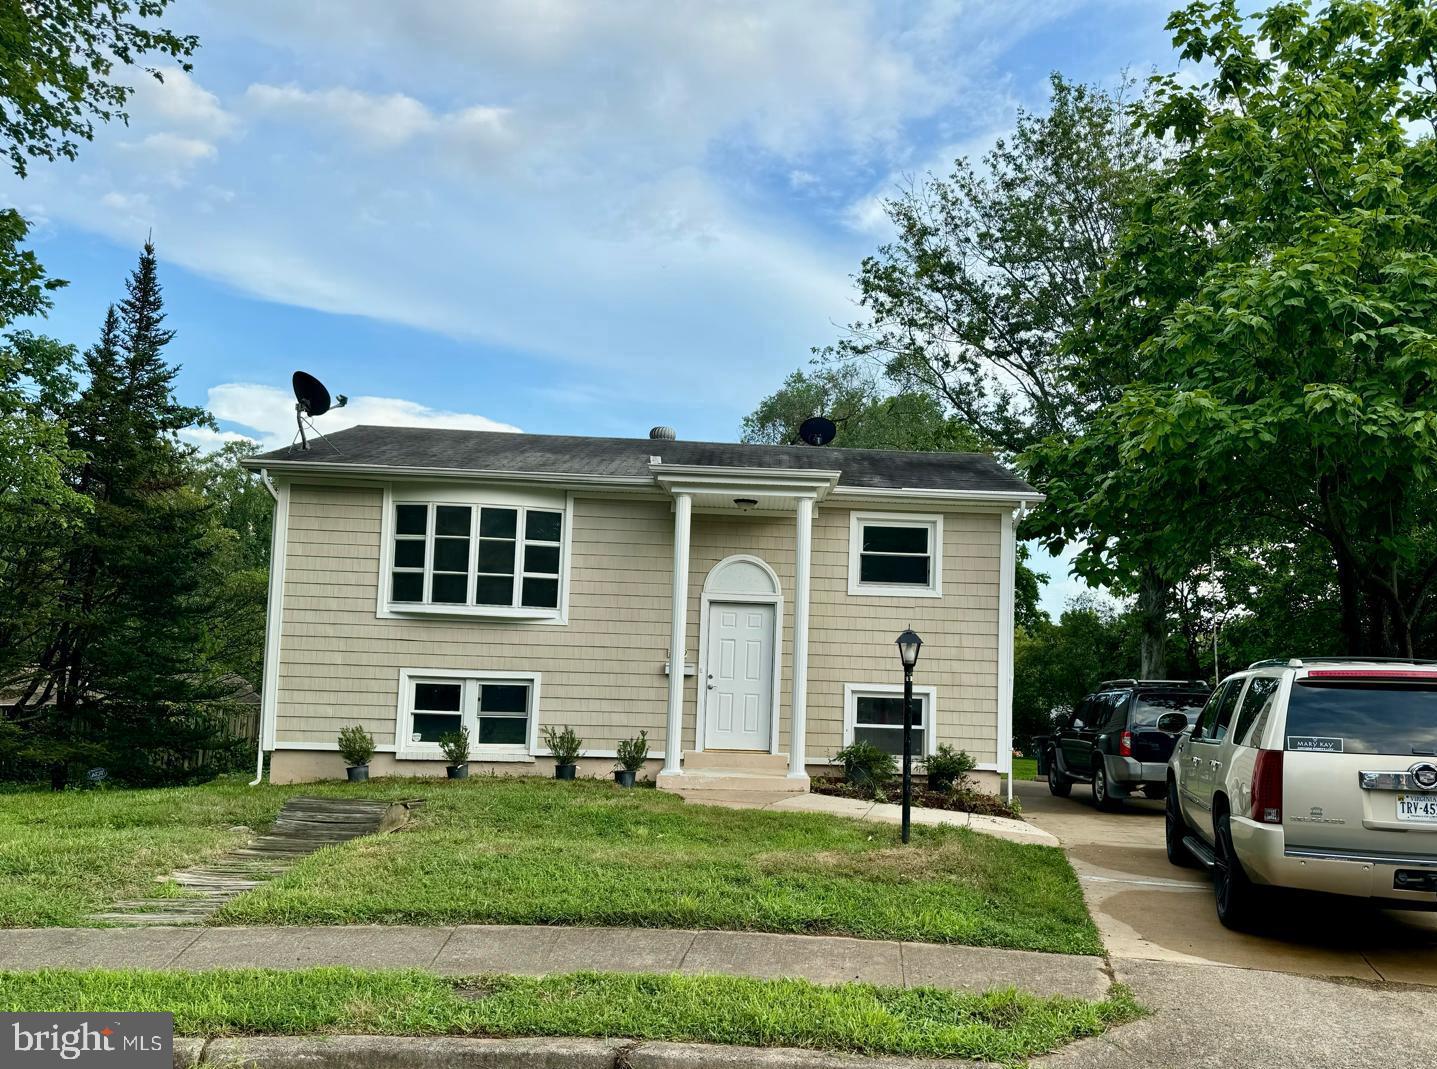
1001 1026
516 851
1025 768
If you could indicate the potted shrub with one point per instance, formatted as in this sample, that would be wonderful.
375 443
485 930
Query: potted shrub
567 748
865 765
455 745
632 754
356 746
948 768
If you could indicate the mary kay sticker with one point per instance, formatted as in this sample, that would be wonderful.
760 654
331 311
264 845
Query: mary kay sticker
1314 744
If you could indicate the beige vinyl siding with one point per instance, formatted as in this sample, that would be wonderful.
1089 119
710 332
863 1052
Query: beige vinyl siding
602 673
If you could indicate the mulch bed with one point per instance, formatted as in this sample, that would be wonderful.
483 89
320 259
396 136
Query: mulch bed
990 805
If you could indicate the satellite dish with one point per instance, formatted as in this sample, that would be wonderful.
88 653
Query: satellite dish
817 430
311 399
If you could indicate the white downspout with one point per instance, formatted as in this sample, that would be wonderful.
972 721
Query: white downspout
274 543
678 637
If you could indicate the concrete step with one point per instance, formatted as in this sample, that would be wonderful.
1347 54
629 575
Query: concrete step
731 780
745 760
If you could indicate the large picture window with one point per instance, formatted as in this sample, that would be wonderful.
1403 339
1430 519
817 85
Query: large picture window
875 714
497 708
476 557
895 554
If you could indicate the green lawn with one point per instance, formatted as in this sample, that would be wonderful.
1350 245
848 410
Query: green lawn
1025 768
517 851
1001 1026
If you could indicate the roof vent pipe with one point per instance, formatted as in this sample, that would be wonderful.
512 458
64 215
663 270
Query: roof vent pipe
663 434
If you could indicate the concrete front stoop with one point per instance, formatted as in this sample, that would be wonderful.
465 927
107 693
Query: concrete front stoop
733 777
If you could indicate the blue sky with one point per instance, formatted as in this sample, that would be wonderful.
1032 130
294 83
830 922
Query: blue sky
563 216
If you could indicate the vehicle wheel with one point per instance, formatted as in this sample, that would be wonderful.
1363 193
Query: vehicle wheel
1059 785
1239 900
1176 830
1102 797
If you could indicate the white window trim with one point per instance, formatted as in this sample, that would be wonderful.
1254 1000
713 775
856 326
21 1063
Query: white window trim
932 521
853 691
405 750
404 610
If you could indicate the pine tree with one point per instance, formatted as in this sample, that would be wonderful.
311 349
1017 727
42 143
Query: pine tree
127 669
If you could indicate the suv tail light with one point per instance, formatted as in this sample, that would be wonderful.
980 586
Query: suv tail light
1125 744
1267 787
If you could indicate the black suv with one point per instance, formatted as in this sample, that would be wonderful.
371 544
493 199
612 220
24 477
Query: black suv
1112 740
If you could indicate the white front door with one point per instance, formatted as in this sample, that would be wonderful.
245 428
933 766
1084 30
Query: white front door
738 707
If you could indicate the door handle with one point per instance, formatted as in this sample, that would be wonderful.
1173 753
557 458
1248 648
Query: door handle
712 685
1214 765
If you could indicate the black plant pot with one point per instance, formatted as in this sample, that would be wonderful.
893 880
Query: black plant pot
457 771
624 777
565 771
357 773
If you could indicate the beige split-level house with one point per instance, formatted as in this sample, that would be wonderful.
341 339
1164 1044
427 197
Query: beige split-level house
738 602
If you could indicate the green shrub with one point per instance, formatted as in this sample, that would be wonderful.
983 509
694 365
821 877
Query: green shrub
948 768
356 745
634 752
864 764
455 745
566 746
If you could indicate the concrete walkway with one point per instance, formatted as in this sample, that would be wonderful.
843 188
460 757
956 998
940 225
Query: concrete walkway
531 951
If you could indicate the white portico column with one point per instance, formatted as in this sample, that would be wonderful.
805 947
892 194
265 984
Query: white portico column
678 636
802 550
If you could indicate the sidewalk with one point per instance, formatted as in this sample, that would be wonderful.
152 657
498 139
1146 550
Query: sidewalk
525 950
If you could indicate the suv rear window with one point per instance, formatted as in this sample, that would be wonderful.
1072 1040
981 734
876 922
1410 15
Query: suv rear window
1151 705
1367 718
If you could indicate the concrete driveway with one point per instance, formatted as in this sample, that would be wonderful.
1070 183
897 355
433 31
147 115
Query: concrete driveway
1149 910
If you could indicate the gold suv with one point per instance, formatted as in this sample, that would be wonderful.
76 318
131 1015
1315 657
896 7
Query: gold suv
1317 774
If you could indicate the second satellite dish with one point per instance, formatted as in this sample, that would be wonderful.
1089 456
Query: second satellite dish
311 399
817 431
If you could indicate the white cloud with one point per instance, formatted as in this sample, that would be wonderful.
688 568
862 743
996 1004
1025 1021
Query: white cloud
179 103
268 413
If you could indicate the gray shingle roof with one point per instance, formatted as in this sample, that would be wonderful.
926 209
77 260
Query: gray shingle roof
553 454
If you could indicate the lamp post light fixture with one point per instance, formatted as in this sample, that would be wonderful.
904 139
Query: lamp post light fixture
908 646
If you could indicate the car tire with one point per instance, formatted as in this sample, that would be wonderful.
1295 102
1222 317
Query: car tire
1102 795
1175 830
1239 900
1059 785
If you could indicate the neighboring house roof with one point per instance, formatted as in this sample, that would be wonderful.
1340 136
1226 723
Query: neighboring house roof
421 449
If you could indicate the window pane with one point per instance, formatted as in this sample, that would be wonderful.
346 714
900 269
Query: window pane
409 553
541 559
451 520
411 519
877 569
496 556
890 740
431 727
494 590
1369 718
885 709
447 588
1260 693
408 586
451 554
498 523
541 593
503 731
543 526
504 698
438 697
894 539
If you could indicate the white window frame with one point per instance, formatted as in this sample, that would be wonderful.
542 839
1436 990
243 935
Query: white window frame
853 691
931 522
475 499
407 750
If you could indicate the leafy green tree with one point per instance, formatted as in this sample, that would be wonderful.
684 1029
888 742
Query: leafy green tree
1056 664
58 67
1288 252
865 417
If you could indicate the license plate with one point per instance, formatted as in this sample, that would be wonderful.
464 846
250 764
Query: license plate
1417 808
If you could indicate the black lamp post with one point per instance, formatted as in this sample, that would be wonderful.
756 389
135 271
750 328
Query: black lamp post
908 646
